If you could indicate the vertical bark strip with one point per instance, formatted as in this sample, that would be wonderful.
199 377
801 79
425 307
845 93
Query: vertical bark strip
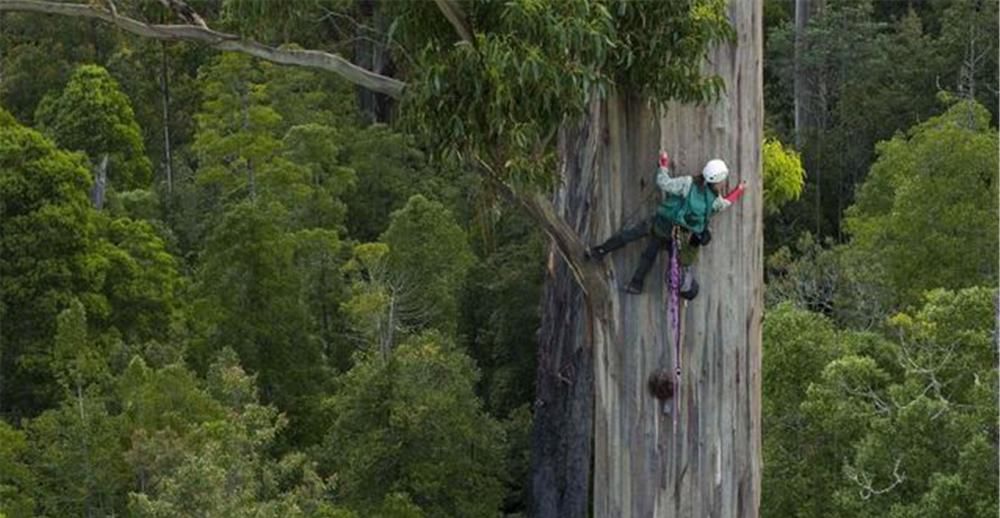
564 385
711 466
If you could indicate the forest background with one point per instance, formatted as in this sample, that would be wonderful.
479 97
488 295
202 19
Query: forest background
229 287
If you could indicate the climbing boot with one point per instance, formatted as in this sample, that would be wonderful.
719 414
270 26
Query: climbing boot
596 253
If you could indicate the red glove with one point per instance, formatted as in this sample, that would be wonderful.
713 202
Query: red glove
736 193
664 160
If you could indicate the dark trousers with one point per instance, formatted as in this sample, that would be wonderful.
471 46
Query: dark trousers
653 246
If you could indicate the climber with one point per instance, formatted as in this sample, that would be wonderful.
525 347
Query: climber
689 204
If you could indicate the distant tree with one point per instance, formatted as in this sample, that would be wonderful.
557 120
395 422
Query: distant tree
250 299
501 313
801 470
16 476
927 212
262 136
826 278
141 280
55 250
411 424
94 116
784 176
318 150
39 57
47 258
77 456
429 252
222 465
390 169
896 425
380 304
237 140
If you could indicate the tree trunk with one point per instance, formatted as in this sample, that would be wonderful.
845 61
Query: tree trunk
799 83
564 385
802 94
708 463
168 159
372 55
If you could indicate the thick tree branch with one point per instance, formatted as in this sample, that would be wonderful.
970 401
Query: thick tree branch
567 241
453 12
218 40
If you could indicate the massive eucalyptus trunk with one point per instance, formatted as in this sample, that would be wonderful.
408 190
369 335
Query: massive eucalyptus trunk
644 464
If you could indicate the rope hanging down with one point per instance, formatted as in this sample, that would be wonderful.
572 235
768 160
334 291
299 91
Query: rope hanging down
675 317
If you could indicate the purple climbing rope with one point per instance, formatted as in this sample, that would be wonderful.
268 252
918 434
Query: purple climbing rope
675 318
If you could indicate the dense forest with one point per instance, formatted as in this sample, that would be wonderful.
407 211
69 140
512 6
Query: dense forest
231 287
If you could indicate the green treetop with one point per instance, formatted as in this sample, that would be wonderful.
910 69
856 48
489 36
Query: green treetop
430 254
927 213
92 115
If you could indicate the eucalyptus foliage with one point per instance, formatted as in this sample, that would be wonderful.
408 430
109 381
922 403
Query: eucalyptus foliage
496 102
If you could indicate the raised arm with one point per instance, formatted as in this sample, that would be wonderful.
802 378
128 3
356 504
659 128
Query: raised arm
723 202
679 186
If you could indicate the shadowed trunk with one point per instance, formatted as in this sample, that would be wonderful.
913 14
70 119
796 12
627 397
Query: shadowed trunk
370 53
644 464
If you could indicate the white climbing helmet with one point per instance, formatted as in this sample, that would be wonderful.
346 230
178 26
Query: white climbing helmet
715 171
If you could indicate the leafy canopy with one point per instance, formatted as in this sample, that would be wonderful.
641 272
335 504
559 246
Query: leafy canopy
927 212
784 176
93 115
498 101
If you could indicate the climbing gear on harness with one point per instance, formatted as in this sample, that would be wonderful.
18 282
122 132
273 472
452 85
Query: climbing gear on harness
661 384
700 238
689 285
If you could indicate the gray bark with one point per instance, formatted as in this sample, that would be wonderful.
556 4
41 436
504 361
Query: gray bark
168 159
564 385
709 462
97 192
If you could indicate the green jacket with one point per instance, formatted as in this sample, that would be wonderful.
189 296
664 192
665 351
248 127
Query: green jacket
691 210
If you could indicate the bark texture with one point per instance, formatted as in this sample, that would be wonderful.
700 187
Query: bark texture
564 386
708 462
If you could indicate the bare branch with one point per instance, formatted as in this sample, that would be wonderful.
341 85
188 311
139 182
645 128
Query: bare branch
453 12
865 481
218 40
183 11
